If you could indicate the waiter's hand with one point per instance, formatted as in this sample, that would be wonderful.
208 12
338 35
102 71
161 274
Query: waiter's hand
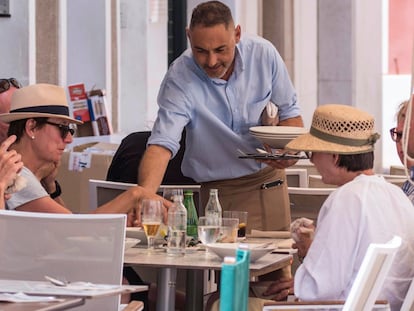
278 164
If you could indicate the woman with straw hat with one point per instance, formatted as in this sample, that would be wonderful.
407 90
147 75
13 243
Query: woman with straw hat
363 209
39 117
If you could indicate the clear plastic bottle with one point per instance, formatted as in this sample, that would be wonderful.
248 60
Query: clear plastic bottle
192 218
177 226
213 207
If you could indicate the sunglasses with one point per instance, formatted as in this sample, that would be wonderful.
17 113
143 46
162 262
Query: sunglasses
395 136
5 84
64 129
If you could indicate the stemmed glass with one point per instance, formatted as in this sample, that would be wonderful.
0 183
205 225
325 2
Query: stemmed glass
208 230
151 219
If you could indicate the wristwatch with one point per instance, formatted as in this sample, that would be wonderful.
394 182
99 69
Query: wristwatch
57 192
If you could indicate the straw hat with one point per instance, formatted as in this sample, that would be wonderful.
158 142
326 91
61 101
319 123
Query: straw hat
38 101
338 129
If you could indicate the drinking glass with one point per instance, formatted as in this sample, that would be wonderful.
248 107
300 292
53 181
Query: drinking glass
242 216
228 230
208 230
151 219
170 193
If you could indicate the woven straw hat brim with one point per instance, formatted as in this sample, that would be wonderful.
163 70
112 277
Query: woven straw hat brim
10 117
38 101
308 142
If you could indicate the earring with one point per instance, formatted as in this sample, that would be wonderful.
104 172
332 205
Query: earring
32 137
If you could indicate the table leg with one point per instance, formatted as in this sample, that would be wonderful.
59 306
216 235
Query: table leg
194 299
166 289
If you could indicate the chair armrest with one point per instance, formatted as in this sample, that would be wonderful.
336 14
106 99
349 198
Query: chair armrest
134 305
292 305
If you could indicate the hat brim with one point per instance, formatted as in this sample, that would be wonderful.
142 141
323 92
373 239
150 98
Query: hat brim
10 117
308 142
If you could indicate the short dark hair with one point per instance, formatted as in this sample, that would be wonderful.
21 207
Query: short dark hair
211 13
17 127
357 162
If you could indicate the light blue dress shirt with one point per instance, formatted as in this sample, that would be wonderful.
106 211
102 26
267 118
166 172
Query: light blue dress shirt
217 114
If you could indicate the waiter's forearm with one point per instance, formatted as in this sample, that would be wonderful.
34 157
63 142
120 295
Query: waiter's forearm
295 121
152 167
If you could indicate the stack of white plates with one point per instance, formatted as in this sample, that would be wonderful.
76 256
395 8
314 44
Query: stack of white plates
276 136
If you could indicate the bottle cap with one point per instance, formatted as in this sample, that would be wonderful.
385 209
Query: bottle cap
229 260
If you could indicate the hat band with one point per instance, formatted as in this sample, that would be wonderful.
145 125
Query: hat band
343 140
62 110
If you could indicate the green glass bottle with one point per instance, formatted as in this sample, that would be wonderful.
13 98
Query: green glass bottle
192 218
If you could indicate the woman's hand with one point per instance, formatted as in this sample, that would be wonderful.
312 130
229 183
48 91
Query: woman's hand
280 289
10 165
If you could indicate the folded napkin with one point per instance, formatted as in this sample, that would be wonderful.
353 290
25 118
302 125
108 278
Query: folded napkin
285 243
270 234
270 115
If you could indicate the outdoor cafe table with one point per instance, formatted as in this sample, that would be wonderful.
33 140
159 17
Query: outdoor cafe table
63 304
73 295
194 263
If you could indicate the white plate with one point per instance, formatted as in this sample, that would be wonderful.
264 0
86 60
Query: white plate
139 233
275 142
130 242
136 233
278 130
229 249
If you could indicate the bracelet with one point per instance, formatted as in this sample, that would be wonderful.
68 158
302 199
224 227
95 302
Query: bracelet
57 192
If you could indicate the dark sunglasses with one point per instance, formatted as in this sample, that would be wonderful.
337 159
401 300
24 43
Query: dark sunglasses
64 129
395 136
5 84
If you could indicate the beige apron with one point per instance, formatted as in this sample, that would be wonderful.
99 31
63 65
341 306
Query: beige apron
268 209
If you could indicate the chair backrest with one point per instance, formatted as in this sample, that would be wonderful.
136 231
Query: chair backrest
315 181
397 180
125 162
297 177
397 170
75 247
408 304
306 202
102 191
308 165
371 275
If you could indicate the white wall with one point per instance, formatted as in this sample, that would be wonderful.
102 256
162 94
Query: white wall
143 63
305 57
14 35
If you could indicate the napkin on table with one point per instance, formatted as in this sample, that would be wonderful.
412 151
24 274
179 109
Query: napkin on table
284 237
270 234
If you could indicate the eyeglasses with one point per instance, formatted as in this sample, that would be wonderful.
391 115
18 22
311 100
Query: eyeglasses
395 136
64 129
5 84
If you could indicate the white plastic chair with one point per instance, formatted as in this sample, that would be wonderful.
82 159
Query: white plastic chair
367 285
408 304
306 202
297 177
75 247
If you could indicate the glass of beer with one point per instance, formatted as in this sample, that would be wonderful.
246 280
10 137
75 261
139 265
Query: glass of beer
151 219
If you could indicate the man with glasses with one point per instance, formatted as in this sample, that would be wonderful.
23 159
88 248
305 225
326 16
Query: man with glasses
396 135
7 88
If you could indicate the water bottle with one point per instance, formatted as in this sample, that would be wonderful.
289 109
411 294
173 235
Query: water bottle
213 207
192 218
177 226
